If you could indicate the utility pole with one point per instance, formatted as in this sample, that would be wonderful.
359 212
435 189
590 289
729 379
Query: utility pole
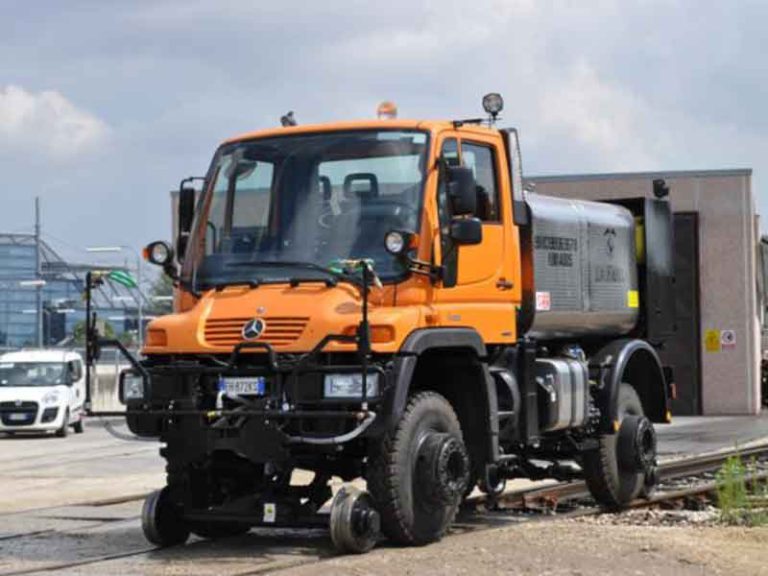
38 274
140 331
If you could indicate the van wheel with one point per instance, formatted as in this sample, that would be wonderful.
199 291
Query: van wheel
616 472
419 473
78 426
160 520
64 430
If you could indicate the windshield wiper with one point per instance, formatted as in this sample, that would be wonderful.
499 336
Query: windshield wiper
337 274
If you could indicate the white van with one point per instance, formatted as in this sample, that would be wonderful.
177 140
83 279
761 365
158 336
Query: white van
41 390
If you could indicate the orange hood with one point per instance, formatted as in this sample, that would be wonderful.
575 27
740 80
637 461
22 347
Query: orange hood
294 319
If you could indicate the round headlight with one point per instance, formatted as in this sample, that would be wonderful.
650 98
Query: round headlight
394 242
493 103
159 253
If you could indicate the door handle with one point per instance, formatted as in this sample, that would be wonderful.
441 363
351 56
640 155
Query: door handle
504 284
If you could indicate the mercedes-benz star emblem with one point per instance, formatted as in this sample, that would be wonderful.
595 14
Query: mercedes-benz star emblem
254 328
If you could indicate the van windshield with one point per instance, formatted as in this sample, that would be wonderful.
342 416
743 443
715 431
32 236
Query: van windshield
32 373
291 206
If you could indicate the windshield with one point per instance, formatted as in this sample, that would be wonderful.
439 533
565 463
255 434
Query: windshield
287 207
32 373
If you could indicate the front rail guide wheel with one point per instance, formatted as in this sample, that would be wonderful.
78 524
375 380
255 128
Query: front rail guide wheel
160 520
355 523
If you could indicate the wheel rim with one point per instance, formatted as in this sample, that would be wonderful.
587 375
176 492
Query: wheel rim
630 481
442 468
636 444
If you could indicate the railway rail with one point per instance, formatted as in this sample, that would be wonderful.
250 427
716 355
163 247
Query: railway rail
285 549
550 497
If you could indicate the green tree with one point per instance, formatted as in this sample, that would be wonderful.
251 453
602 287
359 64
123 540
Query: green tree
78 332
159 294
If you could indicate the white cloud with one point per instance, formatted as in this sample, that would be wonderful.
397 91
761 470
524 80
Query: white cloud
46 121
611 121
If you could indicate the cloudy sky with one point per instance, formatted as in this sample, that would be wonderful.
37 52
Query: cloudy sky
105 106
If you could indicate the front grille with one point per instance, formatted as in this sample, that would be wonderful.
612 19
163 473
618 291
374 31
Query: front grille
13 406
280 330
21 414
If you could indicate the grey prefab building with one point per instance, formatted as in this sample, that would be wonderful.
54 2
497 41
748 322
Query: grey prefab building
716 349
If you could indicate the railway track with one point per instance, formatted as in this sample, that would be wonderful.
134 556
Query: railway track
267 551
549 498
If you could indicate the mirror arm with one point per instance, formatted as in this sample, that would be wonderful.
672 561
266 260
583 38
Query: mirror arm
434 272
172 271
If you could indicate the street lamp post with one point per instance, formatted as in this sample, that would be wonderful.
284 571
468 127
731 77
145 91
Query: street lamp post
139 308
38 284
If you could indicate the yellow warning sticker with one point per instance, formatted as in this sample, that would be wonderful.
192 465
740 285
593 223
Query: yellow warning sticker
633 299
712 340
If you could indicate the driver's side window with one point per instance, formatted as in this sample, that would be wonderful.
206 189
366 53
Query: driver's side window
481 160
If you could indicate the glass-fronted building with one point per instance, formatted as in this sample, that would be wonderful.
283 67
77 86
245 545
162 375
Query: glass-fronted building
60 285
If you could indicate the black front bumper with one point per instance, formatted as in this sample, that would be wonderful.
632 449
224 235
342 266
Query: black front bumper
182 406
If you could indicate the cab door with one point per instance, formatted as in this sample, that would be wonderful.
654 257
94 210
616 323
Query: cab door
482 292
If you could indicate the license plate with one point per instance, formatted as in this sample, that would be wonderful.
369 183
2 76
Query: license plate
256 385
17 417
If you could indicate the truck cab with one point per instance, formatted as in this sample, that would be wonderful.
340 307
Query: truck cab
41 391
382 300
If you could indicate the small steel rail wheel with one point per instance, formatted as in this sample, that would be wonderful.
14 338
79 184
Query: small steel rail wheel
355 523
623 465
160 520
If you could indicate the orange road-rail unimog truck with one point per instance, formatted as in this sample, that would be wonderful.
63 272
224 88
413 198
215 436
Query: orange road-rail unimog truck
382 300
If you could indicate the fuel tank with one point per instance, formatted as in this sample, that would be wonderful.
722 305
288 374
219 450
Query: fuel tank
579 269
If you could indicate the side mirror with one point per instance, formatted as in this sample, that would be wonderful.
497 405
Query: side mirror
133 387
185 216
466 231
462 191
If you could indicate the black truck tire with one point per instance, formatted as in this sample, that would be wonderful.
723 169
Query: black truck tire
413 513
612 487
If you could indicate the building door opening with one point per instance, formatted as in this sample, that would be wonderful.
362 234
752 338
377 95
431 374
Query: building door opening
683 350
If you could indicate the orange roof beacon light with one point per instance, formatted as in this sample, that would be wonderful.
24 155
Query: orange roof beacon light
387 110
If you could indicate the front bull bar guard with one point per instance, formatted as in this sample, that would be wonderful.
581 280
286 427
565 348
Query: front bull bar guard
94 344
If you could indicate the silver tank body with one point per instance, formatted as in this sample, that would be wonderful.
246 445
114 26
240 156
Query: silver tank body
584 268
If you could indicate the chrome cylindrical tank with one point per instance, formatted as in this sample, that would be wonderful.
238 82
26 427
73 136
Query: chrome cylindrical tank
581 270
